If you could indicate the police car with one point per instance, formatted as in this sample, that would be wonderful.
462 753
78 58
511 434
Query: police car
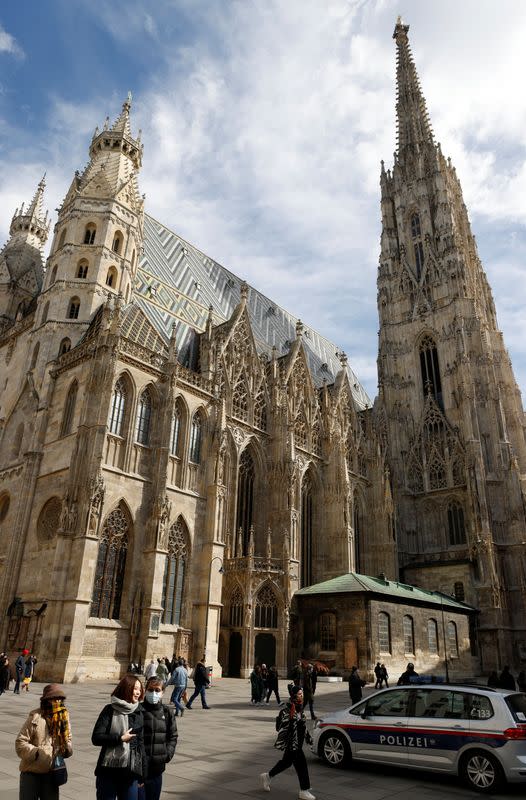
474 732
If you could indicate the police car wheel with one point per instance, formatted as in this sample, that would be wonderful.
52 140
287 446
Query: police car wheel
334 749
481 771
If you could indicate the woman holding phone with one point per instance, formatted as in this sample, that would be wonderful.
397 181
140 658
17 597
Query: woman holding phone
122 764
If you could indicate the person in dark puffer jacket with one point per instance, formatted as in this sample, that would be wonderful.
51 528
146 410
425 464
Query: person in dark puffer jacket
160 738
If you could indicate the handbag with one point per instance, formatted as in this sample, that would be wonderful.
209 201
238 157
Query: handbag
59 772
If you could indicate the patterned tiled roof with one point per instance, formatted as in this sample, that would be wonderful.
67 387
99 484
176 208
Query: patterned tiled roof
354 582
176 282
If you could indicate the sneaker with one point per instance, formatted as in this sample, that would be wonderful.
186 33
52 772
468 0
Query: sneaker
189 707
206 708
264 780
306 794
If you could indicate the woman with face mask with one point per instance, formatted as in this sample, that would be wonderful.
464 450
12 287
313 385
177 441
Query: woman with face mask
160 738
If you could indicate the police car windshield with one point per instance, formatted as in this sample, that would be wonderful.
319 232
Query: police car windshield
517 705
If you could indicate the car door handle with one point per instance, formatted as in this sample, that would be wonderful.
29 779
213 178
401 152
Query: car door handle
400 725
459 727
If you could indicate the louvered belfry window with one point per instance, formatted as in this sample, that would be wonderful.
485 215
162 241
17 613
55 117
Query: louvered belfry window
111 564
429 368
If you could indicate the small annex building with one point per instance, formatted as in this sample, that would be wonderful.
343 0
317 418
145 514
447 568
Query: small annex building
359 619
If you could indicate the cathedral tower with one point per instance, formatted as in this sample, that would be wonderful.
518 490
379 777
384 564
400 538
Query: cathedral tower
455 418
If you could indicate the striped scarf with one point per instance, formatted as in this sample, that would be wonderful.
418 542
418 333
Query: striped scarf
56 716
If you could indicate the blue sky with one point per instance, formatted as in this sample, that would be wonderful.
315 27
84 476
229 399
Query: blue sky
264 124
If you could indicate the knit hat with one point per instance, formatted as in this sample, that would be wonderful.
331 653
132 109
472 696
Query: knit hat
293 690
53 691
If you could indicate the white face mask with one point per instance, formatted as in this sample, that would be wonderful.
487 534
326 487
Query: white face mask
152 697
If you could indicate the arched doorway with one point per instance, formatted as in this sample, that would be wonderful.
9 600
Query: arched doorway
265 649
234 655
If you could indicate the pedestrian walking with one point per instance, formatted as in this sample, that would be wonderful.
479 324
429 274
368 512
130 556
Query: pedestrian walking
160 739
506 679
356 685
384 676
257 686
44 741
20 665
273 685
201 681
297 673
151 670
179 680
378 674
162 672
406 676
291 726
5 675
310 680
118 731
29 669
521 681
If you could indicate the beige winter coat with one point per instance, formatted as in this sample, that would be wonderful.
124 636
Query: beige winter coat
34 745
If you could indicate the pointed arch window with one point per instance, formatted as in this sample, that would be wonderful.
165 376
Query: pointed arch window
328 631
266 612
456 525
358 533
74 308
117 242
306 531
175 573
260 412
452 640
144 417
69 410
175 434
45 313
82 269
111 564
429 370
384 632
409 635
62 239
64 347
245 498
418 247
196 431
89 233
34 357
53 275
240 401
236 608
432 637
118 405
111 277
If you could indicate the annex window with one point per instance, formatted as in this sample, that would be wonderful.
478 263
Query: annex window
236 608
455 523
89 233
328 631
175 573
74 308
118 404
384 632
65 346
306 530
69 409
432 637
111 277
111 563
144 416
82 269
431 383
245 499
452 640
196 438
409 635
266 609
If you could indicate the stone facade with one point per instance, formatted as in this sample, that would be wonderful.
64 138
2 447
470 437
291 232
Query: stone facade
178 455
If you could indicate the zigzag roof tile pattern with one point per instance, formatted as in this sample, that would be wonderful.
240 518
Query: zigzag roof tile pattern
178 283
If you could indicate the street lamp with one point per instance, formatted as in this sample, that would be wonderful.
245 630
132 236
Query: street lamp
220 570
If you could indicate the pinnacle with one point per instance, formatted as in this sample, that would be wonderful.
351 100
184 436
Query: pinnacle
122 123
413 124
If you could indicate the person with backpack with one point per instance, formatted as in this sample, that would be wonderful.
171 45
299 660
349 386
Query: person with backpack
291 726
201 681
160 739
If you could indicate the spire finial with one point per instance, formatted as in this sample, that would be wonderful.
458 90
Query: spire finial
299 328
413 125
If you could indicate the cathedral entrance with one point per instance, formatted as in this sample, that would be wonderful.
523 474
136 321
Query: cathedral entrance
234 655
265 649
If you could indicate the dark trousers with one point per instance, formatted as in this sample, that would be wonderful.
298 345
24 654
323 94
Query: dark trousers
18 678
311 708
110 787
276 692
297 760
151 789
35 786
198 690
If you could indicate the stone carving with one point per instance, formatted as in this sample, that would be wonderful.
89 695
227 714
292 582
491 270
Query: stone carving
97 491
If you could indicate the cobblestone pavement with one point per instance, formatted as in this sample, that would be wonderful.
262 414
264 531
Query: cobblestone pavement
220 752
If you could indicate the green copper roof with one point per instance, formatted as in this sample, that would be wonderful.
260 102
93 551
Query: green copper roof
352 582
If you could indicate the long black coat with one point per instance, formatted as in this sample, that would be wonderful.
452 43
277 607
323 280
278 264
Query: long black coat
160 736
101 737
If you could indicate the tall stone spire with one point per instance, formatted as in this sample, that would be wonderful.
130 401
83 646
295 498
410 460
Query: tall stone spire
413 125
32 224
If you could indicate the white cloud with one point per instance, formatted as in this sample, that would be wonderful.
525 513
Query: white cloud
8 44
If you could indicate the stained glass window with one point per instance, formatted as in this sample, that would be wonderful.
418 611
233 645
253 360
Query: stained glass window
111 564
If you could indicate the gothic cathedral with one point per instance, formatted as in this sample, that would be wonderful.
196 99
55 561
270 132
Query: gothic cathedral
179 455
